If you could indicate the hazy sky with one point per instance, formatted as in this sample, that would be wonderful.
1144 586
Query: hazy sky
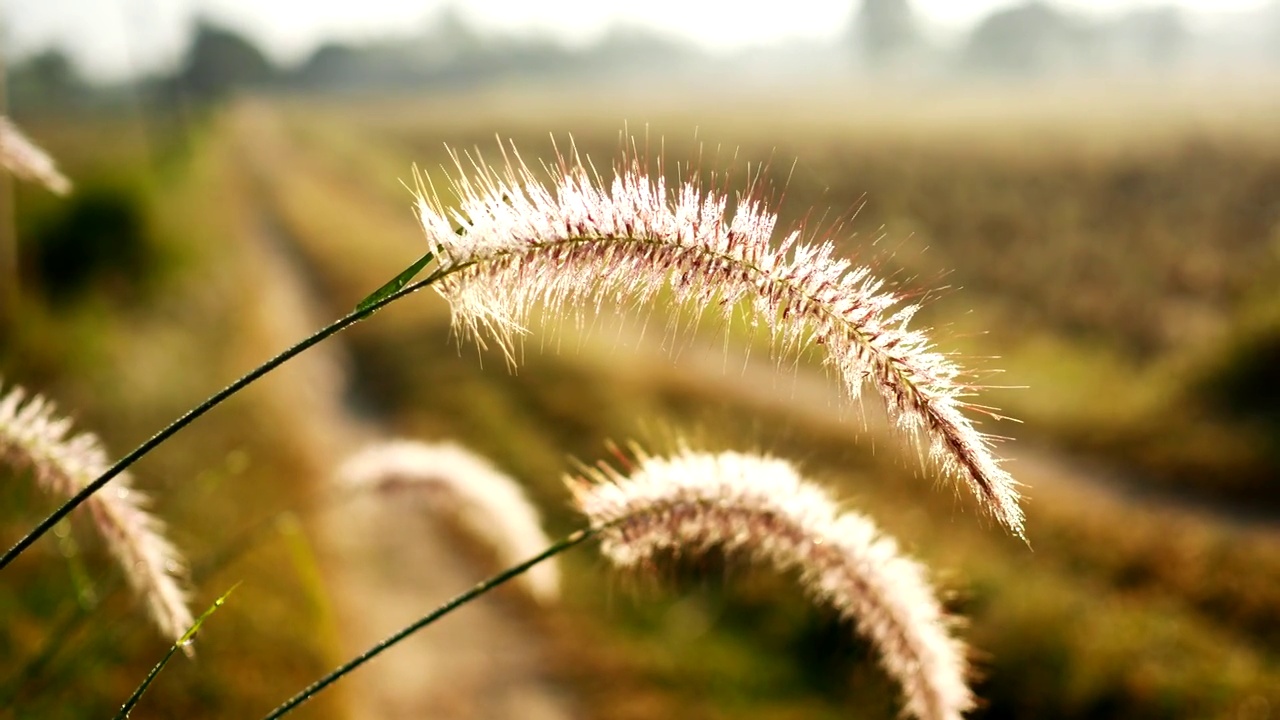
113 38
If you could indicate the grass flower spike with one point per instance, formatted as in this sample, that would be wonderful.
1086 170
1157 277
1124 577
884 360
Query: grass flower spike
761 508
27 161
466 489
34 438
579 241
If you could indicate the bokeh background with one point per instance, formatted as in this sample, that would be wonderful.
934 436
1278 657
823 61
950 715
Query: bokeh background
1086 196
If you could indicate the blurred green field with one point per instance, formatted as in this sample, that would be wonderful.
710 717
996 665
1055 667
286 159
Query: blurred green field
1121 264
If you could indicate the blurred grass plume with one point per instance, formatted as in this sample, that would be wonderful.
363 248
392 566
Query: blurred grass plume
34 438
760 507
27 161
465 489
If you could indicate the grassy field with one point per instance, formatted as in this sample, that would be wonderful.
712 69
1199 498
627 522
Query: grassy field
1122 269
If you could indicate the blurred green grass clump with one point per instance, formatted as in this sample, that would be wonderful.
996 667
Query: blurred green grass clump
96 243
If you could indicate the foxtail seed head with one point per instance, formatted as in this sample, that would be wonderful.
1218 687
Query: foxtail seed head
579 240
761 508
27 161
34 438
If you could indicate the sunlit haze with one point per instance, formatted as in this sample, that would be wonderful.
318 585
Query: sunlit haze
115 38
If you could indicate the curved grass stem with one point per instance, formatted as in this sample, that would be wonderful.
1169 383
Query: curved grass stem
363 311
314 688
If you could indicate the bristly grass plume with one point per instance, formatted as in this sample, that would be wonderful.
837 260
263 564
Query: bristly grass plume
760 507
35 439
27 161
464 489
580 240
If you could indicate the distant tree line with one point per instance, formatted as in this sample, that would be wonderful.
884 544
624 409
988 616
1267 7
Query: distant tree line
1029 39
1032 38
220 61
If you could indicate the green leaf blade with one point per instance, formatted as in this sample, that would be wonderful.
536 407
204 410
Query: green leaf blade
396 283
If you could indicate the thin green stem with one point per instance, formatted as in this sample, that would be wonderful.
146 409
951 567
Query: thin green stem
312 690
350 319
146 683
183 642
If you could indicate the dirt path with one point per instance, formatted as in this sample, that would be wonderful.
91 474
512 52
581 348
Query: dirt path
388 562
